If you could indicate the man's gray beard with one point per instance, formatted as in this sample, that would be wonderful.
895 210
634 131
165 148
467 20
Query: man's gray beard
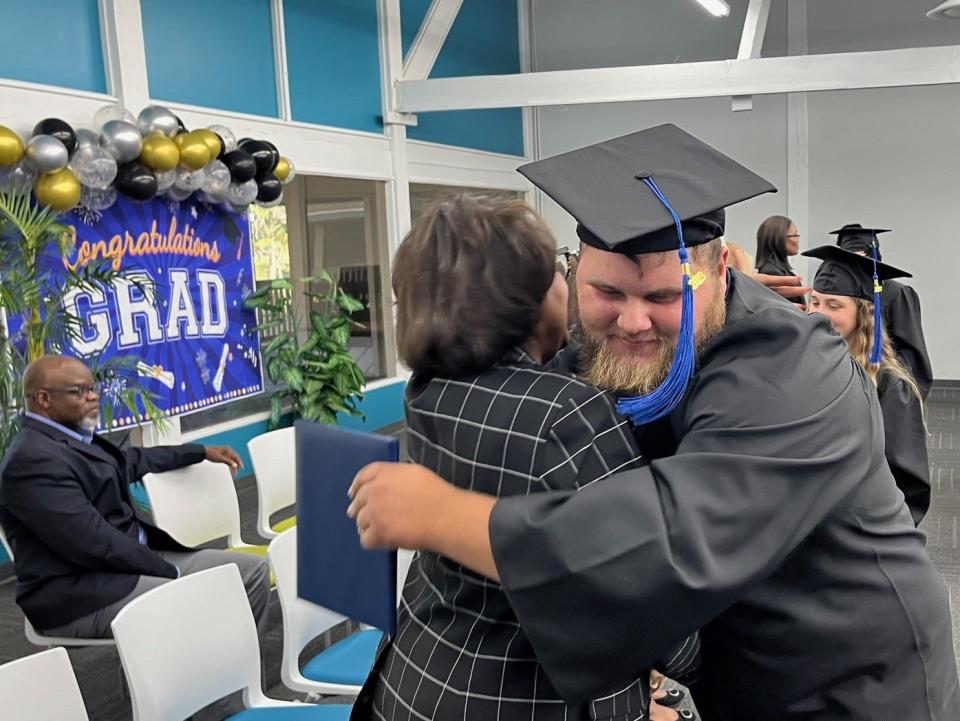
616 372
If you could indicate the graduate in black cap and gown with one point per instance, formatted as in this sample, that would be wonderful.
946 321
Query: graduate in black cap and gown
845 292
901 307
768 517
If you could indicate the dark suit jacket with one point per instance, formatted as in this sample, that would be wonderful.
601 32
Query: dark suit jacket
65 508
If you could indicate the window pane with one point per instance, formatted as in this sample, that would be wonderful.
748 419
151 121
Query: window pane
345 228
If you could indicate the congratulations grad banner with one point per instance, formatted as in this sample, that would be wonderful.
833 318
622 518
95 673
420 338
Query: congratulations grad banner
193 336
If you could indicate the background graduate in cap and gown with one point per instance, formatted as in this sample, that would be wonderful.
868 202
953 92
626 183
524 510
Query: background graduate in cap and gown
768 516
844 291
901 307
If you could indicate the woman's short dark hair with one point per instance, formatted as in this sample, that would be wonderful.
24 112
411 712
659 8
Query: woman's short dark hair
772 240
470 279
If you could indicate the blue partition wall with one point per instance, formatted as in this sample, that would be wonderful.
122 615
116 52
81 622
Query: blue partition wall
56 42
484 40
215 53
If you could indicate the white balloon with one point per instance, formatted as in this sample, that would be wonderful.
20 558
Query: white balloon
217 182
178 194
18 178
98 199
242 194
112 112
166 179
226 135
86 137
189 179
94 167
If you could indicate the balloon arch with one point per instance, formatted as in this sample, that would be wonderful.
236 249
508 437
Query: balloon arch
140 157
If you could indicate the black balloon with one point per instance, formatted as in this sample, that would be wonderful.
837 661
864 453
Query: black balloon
268 188
273 152
59 129
181 128
137 181
242 167
261 154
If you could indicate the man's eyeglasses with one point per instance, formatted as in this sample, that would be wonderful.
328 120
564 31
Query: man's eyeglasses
566 263
80 391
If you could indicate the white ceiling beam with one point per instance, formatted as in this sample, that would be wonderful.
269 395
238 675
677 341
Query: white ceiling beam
433 32
753 76
751 42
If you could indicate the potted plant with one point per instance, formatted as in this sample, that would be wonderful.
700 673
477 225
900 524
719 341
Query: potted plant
309 357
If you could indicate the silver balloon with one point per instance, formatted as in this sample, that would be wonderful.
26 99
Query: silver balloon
190 179
46 154
112 112
166 179
227 136
273 203
178 194
122 140
18 179
86 137
94 167
217 181
242 194
156 119
98 198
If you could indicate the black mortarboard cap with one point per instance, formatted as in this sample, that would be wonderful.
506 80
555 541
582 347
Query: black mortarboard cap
602 186
846 273
856 238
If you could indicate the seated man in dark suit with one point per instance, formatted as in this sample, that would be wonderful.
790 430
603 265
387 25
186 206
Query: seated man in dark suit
80 552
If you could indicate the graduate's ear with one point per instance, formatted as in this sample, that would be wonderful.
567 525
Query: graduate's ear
722 263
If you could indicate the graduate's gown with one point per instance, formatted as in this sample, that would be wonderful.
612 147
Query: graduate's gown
901 315
906 443
770 519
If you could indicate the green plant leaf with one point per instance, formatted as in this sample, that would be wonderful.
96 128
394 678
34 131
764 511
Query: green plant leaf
348 302
292 377
280 284
274 367
277 343
276 408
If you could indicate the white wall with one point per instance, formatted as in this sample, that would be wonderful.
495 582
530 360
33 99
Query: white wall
887 157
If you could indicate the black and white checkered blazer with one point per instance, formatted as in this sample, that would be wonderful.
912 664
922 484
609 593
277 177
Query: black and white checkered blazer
459 652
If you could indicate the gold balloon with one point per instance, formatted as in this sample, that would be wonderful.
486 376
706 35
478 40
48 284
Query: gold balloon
60 190
179 138
11 147
159 153
211 140
282 171
194 153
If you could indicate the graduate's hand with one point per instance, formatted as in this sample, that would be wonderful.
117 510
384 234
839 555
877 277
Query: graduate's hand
224 454
789 286
402 505
395 504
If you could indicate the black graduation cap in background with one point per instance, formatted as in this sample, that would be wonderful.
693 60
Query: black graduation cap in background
846 273
854 237
602 186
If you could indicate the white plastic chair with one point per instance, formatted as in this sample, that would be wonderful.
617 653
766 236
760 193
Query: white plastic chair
274 458
41 687
38 639
339 670
198 504
190 642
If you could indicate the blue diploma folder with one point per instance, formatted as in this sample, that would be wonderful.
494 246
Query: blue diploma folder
333 569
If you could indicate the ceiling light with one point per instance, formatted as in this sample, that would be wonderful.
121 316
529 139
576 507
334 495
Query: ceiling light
720 9
950 10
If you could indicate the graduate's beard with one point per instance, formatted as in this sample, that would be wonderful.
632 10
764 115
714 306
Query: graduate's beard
620 373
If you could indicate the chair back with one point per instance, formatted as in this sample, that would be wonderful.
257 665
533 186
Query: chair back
274 459
41 687
188 643
195 504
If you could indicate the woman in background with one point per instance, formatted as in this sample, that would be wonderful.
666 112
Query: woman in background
843 290
777 239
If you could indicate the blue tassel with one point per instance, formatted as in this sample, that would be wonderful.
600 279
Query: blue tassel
876 355
665 397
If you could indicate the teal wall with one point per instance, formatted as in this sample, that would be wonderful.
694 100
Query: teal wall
54 42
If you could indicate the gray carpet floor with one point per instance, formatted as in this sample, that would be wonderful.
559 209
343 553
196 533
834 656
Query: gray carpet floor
98 669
